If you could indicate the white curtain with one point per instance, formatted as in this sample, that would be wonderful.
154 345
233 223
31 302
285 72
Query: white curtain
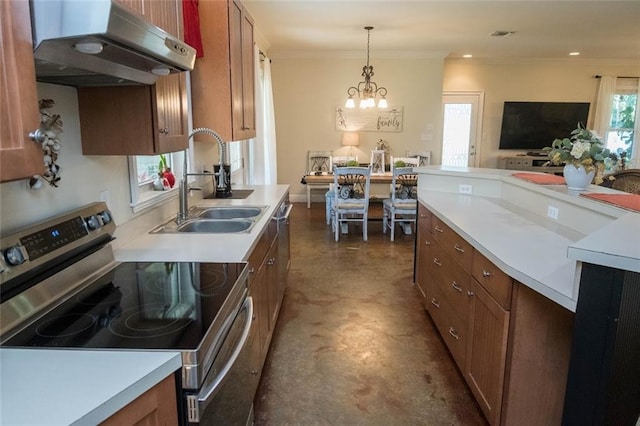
604 101
263 149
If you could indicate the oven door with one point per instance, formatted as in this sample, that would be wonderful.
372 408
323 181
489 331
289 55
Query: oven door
226 396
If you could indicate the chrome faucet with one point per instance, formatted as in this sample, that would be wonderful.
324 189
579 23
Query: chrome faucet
184 189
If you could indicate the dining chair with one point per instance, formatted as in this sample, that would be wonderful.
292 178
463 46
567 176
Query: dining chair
350 198
336 161
624 180
402 205
318 162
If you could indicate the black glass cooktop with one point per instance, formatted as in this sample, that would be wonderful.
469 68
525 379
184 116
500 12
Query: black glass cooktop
161 305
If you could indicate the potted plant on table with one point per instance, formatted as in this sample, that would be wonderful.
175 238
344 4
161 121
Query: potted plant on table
583 155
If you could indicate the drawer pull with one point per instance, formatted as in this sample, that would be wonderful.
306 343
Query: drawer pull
435 303
437 228
452 332
423 215
427 243
470 293
458 248
437 261
252 270
486 273
456 286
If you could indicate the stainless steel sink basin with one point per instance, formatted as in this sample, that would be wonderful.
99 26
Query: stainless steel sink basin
215 226
230 212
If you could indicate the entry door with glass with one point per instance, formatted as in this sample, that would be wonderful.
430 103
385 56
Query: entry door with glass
461 129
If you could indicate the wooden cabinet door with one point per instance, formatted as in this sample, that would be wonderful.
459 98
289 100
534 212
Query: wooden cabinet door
171 127
156 407
20 157
274 291
424 241
248 124
486 351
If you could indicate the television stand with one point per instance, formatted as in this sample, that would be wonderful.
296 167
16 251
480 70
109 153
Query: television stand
536 154
531 163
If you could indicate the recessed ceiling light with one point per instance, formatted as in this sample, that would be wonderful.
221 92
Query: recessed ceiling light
574 53
502 33
467 55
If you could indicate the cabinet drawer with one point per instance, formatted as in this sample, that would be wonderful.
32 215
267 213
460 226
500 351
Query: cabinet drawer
257 255
424 217
497 283
453 281
452 328
461 250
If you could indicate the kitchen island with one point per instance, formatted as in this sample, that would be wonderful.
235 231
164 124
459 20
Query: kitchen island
500 261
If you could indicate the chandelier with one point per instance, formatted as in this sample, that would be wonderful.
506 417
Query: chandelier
367 90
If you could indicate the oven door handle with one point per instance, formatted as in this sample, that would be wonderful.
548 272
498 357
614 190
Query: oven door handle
194 410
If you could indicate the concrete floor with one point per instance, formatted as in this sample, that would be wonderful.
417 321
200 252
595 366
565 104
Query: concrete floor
354 344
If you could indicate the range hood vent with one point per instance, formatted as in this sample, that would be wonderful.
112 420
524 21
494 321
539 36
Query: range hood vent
122 47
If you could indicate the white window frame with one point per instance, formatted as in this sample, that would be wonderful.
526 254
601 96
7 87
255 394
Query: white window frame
143 195
628 86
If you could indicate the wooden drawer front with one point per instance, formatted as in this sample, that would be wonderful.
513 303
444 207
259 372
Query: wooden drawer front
457 246
424 255
257 255
497 283
453 281
452 328
424 216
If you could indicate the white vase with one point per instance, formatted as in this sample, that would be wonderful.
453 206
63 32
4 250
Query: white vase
577 178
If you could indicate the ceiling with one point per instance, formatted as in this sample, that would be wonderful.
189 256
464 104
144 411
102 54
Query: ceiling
451 28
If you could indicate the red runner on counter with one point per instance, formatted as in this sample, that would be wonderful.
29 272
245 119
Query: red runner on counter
626 201
541 178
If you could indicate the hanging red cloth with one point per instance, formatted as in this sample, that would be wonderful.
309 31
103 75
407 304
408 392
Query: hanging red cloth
191 20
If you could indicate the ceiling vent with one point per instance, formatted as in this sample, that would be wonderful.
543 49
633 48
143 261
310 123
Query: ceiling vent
502 33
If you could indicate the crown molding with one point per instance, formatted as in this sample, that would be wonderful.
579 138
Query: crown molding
538 61
341 54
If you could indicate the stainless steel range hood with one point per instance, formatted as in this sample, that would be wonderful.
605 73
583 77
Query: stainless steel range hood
123 48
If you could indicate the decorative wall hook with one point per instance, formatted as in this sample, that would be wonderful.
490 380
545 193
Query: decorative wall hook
51 127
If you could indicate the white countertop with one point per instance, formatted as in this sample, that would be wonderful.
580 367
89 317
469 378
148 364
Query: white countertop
505 218
192 247
75 387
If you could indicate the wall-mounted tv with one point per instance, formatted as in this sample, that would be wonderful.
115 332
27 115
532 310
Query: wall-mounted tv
534 125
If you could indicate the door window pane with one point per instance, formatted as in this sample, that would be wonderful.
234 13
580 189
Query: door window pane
456 134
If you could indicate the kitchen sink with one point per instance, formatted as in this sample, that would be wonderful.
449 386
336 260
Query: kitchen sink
228 212
212 226
214 220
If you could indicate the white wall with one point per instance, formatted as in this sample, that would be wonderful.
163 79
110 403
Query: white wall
307 90
83 178
570 80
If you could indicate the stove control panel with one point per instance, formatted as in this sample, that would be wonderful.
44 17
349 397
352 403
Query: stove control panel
33 246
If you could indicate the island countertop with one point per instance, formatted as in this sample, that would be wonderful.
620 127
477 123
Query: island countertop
507 220
75 387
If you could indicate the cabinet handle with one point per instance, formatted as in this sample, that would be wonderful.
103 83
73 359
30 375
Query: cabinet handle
164 130
452 332
423 215
271 261
252 270
427 243
435 303
437 228
456 286
457 247
486 273
254 372
470 293
38 136
437 261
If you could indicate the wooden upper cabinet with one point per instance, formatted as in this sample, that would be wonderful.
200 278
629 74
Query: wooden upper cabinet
20 157
222 82
138 120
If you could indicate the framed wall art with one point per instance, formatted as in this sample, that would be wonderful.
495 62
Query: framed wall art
369 119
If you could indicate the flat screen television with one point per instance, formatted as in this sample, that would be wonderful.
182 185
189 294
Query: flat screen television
532 126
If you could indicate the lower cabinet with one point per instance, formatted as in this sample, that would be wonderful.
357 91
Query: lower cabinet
486 321
157 406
